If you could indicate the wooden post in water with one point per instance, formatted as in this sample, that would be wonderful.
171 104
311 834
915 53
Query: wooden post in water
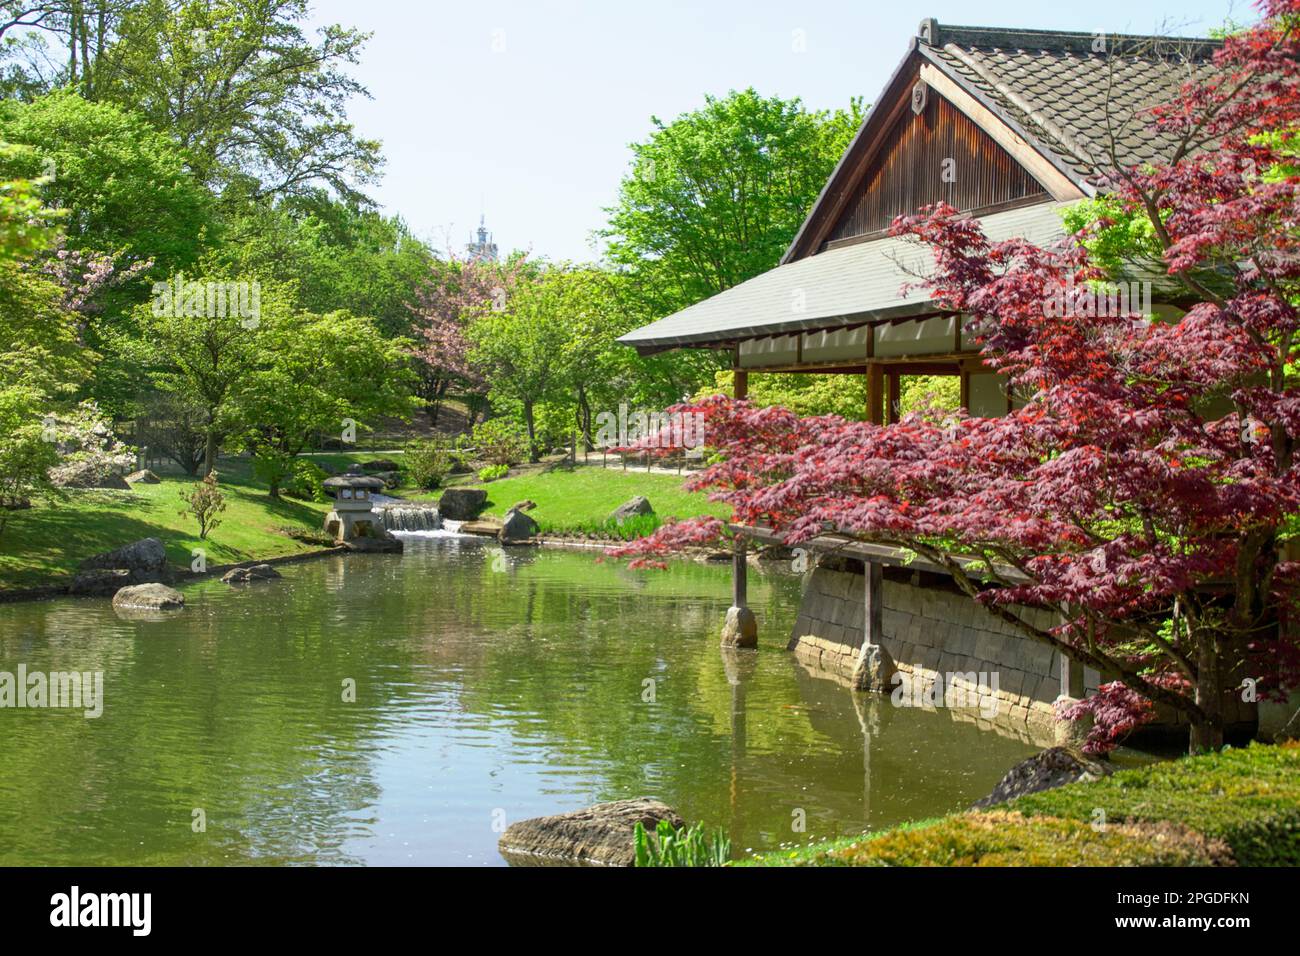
741 627
874 668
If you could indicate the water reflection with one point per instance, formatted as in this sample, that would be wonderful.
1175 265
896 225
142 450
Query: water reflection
490 685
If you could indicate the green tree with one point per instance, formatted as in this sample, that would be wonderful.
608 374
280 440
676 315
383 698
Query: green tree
124 184
318 374
252 99
205 356
715 197
520 346
341 255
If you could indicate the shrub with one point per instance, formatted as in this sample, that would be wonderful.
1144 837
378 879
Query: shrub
429 462
205 503
88 450
684 846
493 472
1002 838
1249 798
500 441
304 481
285 474
25 454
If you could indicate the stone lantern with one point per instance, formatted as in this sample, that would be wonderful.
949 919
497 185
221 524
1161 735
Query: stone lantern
352 516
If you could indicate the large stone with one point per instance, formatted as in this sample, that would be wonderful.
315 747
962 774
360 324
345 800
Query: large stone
258 572
640 505
381 542
488 527
1054 767
740 629
87 475
600 835
528 504
462 504
874 670
145 560
100 582
380 464
149 597
516 527
142 477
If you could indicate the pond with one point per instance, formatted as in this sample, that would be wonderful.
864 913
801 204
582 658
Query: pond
489 686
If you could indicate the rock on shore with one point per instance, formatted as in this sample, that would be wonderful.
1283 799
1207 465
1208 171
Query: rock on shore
599 835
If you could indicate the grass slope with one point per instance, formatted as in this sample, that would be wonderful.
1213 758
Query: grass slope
50 540
581 498
1239 805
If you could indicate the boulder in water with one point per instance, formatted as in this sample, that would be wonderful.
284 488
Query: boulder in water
517 527
382 542
600 835
149 597
258 572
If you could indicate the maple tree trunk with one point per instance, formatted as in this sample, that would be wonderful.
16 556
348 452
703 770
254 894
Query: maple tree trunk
1207 731
210 452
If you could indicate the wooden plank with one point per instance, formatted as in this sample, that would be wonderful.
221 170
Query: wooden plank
739 573
874 598
1058 186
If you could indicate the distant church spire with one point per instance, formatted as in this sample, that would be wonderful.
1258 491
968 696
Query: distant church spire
484 250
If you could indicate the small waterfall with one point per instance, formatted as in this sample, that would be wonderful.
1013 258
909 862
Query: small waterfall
398 518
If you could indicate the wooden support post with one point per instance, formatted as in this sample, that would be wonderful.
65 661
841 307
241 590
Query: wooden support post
741 385
875 393
874 669
1071 733
874 599
741 627
740 574
1072 683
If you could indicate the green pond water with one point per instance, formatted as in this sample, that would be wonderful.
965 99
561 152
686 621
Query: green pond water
489 687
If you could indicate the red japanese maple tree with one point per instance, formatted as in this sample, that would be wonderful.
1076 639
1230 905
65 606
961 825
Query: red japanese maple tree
1147 490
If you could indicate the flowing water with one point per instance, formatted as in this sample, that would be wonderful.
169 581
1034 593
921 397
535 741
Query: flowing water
490 685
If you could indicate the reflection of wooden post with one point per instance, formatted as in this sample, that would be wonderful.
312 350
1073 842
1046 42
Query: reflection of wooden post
875 394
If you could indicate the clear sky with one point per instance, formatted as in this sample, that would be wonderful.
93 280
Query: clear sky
524 110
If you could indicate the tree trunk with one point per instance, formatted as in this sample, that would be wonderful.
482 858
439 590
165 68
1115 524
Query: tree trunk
1207 732
584 423
532 432
210 451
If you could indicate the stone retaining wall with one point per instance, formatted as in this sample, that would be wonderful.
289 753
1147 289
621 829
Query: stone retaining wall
1001 677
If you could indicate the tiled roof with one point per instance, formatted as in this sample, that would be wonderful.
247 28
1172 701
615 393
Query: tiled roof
1068 92
854 284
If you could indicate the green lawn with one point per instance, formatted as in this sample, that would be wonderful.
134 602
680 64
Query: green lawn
581 498
51 539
